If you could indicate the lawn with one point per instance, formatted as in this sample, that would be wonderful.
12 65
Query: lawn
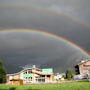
58 86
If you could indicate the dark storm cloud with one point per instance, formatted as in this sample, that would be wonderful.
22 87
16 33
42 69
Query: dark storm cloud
22 48
39 19
28 49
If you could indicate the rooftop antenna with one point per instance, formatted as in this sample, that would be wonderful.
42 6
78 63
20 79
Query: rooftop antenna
30 66
34 66
26 66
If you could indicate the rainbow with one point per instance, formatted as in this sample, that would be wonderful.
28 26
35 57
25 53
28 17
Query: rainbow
60 12
50 35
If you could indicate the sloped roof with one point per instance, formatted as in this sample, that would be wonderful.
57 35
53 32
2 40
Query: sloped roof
46 71
83 61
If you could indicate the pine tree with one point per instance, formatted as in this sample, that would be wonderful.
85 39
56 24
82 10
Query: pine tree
2 72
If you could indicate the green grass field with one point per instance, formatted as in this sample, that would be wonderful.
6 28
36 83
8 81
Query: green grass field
59 86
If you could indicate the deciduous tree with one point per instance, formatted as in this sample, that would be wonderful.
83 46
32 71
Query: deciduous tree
69 74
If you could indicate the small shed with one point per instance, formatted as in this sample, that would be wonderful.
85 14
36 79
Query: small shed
16 82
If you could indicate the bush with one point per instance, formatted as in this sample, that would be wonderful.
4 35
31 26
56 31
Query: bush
12 88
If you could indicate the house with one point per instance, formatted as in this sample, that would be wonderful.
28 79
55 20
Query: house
16 82
83 68
32 75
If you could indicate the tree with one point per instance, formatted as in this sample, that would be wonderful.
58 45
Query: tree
69 74
2 72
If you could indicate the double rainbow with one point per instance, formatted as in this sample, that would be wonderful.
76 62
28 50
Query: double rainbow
51 10
50 35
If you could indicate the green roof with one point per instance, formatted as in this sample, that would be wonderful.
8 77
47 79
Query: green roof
47 71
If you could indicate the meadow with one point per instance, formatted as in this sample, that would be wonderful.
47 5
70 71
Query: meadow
58 86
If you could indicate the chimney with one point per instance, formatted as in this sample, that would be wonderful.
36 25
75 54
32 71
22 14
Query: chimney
82 61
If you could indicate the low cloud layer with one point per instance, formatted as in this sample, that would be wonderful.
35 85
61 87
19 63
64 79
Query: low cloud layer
26 48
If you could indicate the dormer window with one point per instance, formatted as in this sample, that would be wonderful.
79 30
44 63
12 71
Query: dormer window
25 72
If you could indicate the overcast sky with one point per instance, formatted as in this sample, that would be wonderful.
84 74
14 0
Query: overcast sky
55 16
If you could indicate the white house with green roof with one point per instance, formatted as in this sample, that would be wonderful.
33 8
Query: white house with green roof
33 75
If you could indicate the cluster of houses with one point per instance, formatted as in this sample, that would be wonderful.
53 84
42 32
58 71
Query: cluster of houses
46 75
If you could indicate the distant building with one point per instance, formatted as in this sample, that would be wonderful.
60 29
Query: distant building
32 75
83 68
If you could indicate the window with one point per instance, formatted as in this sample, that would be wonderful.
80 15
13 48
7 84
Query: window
85 71
25 72
30 71
40 79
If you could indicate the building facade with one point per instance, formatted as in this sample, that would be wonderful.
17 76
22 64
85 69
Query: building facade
83 68
32 75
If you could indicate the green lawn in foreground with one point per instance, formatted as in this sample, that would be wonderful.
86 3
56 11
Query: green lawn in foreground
59 86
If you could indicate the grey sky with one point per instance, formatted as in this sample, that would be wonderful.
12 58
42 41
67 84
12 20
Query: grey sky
34 14
21 48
